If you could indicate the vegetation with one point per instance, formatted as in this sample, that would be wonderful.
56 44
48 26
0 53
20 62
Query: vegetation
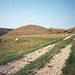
33 30
69 68
46 36
71 30
56 30
29 30
41 61
36 30
11 50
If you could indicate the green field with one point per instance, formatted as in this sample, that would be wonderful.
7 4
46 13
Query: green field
11 50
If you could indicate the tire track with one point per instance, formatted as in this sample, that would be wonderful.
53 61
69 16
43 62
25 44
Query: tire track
29 58
56 63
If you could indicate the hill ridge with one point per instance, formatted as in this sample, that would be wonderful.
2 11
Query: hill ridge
29 29
36 29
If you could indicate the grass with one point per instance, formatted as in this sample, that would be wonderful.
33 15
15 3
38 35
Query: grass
11 50
41 61
46 35
69 68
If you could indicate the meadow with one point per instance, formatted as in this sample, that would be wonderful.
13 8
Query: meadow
31 68
11 50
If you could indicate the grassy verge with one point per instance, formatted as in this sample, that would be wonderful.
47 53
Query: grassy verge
69 68
11 50
41 61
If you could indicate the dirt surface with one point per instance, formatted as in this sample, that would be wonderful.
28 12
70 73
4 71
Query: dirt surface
68 37
29 58
56 63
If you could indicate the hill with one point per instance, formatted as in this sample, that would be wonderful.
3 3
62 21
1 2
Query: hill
56 30
29 30
4 31
35 29
71 30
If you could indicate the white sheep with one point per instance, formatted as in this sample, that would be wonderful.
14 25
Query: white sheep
17 39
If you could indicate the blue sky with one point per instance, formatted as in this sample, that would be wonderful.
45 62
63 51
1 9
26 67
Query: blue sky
46 13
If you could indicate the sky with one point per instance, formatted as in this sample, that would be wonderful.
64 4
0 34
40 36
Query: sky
46 13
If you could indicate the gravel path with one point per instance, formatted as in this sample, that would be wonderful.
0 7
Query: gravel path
29 58
56 63
68 37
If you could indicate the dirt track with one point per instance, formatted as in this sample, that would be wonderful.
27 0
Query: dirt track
29 58
56 63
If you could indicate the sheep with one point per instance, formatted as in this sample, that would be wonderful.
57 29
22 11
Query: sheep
17 39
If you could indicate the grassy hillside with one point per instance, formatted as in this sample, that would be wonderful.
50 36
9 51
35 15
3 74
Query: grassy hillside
36 30
11 50
71 30
56 30
28 30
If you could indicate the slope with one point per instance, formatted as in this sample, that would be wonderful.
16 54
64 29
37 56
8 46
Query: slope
29 30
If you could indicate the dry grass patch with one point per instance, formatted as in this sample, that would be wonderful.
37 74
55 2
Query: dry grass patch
62 35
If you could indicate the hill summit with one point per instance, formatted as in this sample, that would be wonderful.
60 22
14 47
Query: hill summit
29 30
